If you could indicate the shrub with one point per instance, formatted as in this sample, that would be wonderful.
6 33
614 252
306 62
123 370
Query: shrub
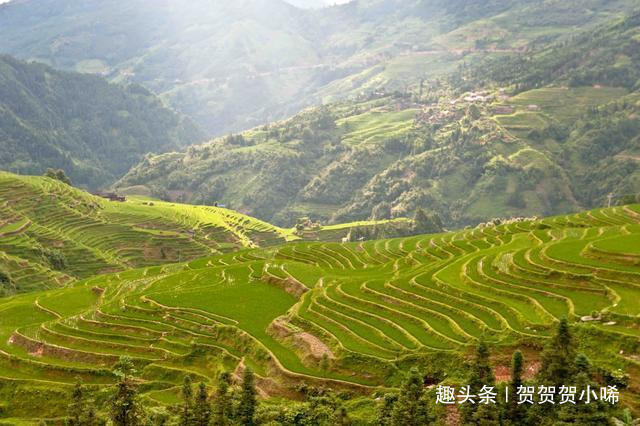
56 259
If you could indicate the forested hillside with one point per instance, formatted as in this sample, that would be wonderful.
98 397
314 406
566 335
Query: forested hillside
608 56
521 136
387 157
92 129
210 60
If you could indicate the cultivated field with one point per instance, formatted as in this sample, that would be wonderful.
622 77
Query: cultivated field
42 220
348 316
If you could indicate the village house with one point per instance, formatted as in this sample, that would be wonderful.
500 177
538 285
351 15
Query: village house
111 196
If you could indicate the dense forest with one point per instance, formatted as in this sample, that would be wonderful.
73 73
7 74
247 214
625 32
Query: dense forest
92 129
608 56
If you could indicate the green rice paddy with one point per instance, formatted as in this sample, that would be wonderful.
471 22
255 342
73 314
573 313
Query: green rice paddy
344 315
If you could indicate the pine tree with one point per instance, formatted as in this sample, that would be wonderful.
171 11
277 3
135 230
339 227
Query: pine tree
626 419
77 406
515 413
58 174
248 401
557 367
222 401
595 413
424 223
481 375
125 408
411 408
202 408
385 410
186 413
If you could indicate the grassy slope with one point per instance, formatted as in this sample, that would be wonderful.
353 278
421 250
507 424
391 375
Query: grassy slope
94 235
371 304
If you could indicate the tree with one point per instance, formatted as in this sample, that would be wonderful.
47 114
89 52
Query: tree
411 408
626 419
77 408
222 401
125 409
594 413
202 408
557 366
481 376
515 413
308 136
248 401
381 211
385 410
186 414
424 223
5 278
58 174
516 199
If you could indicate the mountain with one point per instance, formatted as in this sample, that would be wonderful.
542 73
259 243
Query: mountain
207 59
211 60
468 161
518 136
93 129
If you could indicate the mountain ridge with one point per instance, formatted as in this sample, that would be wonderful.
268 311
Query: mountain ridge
516 136
93 129
314 56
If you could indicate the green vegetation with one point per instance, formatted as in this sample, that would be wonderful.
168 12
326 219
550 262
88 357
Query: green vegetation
226 79
499 110
331 307
53 234
557 151
92 130
349 316
536 130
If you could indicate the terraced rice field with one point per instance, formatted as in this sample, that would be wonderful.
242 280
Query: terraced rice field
344 315
95 236
377 125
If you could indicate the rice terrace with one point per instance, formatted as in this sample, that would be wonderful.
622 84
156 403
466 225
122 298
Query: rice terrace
320 213
350 316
